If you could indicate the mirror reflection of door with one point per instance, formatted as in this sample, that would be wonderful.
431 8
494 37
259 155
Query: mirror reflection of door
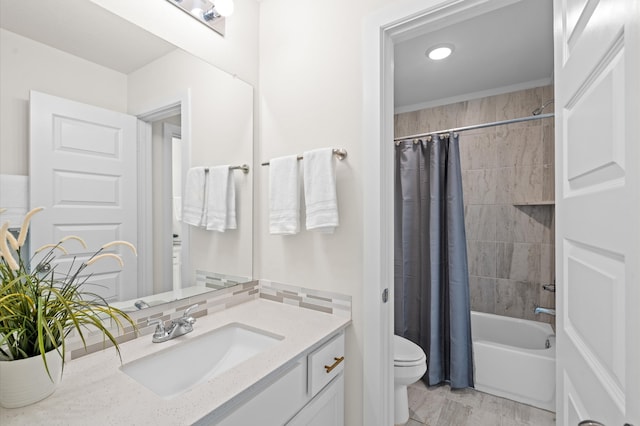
83 172
176 197
97 199
169 233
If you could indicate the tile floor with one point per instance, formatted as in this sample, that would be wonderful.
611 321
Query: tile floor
441 406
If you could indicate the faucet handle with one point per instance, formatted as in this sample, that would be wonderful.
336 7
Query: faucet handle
188 310
159 332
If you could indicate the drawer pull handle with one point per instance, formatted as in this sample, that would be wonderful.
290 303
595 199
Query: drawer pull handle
334 365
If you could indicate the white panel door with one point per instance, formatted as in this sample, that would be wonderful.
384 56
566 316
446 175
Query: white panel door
83 172
597 69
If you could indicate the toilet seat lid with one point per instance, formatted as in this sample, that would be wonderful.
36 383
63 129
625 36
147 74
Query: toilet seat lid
405 351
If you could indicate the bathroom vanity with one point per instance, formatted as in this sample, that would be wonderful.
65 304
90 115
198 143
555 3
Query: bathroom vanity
298 380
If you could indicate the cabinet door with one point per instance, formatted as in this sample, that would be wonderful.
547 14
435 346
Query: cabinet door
326 409
272 406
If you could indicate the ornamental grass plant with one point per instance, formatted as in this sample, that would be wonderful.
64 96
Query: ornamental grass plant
41 305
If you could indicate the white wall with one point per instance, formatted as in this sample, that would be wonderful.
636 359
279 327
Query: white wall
236 53
311 97
28 65
220 132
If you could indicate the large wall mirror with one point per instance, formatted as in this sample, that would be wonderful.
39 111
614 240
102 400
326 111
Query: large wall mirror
58 58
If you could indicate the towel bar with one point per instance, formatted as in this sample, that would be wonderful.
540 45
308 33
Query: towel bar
341 153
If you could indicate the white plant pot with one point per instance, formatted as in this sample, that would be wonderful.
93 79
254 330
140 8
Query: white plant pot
25 381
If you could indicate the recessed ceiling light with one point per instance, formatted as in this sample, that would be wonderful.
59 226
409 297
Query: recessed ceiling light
439 52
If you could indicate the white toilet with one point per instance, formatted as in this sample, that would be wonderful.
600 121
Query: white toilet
409 365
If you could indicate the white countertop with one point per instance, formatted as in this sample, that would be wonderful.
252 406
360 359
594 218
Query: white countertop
95 391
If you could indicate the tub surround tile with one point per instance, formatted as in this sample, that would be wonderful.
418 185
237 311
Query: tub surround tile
548 141
476 111
527 184
482 294
531 224
547 263
519 104
548 182
481 258
478 151
401 123
481 222
519 185
479 186
519 146
516 299
441 117
518 261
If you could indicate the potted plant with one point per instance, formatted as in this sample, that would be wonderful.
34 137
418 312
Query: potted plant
39 307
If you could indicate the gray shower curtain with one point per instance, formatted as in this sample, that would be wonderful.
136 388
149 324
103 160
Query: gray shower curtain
431 288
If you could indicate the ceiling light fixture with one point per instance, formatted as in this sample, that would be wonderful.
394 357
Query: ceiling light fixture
211 13
439 52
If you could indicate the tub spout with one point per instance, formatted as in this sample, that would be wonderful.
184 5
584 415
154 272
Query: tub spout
539 310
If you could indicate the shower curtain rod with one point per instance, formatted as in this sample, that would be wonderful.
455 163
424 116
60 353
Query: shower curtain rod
477 126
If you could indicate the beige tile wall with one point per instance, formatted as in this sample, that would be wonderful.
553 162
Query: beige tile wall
509 246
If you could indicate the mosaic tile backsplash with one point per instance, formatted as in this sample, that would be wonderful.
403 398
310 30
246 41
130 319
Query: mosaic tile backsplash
214 301
323 301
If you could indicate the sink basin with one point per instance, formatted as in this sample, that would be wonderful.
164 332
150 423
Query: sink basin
178 368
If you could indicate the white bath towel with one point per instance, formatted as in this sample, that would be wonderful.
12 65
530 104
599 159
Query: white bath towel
320 197
284 196
221 199
193 206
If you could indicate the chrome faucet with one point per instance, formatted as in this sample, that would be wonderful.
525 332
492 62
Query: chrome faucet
178 327
539 310
141 304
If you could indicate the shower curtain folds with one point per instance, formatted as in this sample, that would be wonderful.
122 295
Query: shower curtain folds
431 285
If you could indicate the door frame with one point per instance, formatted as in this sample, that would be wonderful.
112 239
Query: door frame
381 30
180 103
170 131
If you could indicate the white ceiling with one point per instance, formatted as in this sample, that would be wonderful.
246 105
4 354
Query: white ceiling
84 29
508 49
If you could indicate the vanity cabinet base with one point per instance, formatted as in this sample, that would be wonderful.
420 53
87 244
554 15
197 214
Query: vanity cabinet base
326 408
309 392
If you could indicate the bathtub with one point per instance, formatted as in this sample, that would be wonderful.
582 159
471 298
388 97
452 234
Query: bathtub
512 361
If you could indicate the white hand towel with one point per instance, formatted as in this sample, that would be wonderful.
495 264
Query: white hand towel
221 199
320 190
231 222
193 207
284 196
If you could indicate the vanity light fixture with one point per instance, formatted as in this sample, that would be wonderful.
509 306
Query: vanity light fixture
439 52
211 13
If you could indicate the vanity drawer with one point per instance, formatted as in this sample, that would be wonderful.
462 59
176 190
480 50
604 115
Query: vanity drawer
324 364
